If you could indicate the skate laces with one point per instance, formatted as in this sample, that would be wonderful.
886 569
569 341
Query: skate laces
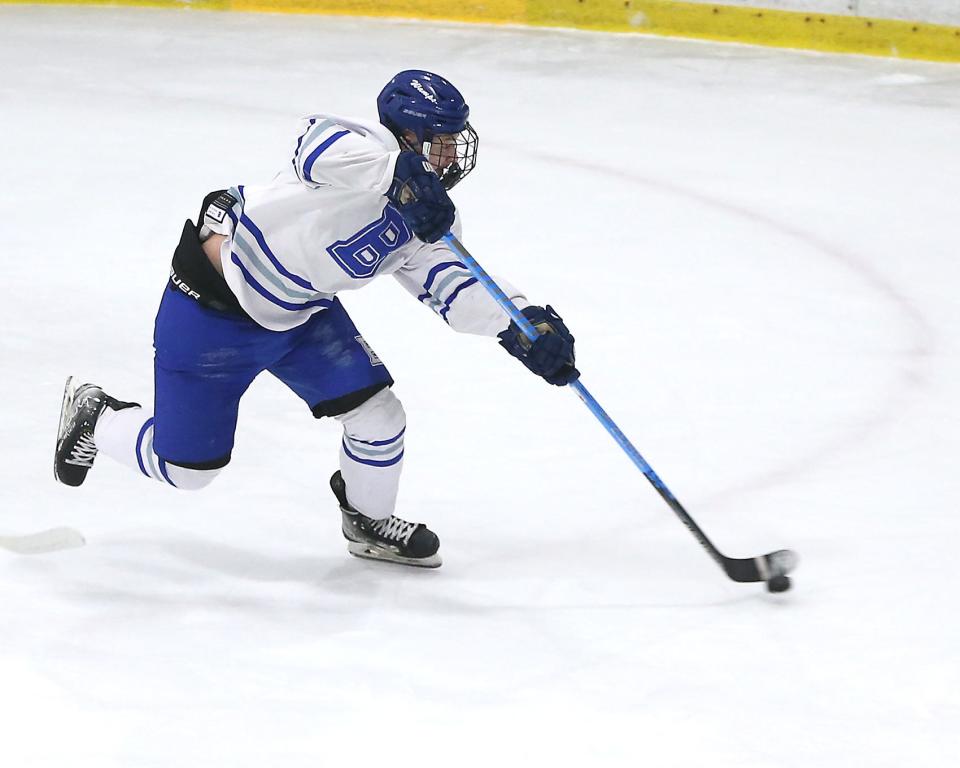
394 528
83 452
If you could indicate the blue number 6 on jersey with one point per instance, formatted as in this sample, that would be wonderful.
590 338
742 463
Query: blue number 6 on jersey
362 254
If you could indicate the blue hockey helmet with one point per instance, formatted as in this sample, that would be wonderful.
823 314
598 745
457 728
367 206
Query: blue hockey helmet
431 109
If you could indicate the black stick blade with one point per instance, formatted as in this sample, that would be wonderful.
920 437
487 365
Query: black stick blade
762 568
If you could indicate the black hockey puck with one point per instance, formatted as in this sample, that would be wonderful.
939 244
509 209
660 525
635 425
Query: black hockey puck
778 584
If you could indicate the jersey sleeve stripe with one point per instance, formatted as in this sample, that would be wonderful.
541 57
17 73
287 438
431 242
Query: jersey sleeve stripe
442 286
317 132
449 302
312 157
252 282
432 275
261 241
296 152
431 302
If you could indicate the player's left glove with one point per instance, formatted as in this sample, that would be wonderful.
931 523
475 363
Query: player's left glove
421 198
551 355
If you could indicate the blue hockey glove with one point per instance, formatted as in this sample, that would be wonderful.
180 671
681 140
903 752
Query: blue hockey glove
551 355
420 198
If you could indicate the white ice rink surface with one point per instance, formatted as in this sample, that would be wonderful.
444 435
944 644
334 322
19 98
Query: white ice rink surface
757 252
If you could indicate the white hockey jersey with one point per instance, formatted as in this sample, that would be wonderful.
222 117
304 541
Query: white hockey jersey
324 225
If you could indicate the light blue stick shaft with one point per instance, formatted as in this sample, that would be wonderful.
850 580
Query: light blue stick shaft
531 333
761 568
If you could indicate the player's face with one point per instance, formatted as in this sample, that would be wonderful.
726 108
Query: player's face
443 152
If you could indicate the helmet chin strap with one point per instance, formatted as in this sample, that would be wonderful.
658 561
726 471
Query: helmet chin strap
425 149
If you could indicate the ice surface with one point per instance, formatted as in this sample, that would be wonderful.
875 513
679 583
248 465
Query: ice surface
757 252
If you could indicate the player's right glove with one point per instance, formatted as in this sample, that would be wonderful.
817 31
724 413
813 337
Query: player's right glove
420 198
551 355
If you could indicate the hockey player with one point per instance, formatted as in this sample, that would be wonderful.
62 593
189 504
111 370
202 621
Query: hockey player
253 288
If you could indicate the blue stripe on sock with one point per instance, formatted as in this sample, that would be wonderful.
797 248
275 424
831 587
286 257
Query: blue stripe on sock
380 442
163 471
371 462
143 430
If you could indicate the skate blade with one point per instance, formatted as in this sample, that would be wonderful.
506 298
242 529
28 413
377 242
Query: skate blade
373 552
69 391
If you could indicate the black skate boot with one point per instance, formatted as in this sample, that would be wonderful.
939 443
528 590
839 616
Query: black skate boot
391 539
78 416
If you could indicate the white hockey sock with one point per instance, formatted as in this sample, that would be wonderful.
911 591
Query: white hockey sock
127 436
371 454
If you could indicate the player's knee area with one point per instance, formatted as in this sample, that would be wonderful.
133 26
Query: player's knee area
341 405
380 418
187 479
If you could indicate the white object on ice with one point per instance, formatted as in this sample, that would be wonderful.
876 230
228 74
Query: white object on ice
52 540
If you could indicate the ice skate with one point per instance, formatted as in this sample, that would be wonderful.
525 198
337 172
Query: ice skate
391 539
76 450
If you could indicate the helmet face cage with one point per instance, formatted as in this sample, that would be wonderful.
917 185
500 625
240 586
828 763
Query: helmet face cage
453 156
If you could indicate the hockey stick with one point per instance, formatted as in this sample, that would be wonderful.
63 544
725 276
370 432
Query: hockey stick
39 543
771 568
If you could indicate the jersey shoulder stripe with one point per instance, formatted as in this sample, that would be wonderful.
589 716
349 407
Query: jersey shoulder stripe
312 157
296 150
305 153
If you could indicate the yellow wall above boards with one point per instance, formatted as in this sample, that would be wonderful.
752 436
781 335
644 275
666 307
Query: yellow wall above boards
705 21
